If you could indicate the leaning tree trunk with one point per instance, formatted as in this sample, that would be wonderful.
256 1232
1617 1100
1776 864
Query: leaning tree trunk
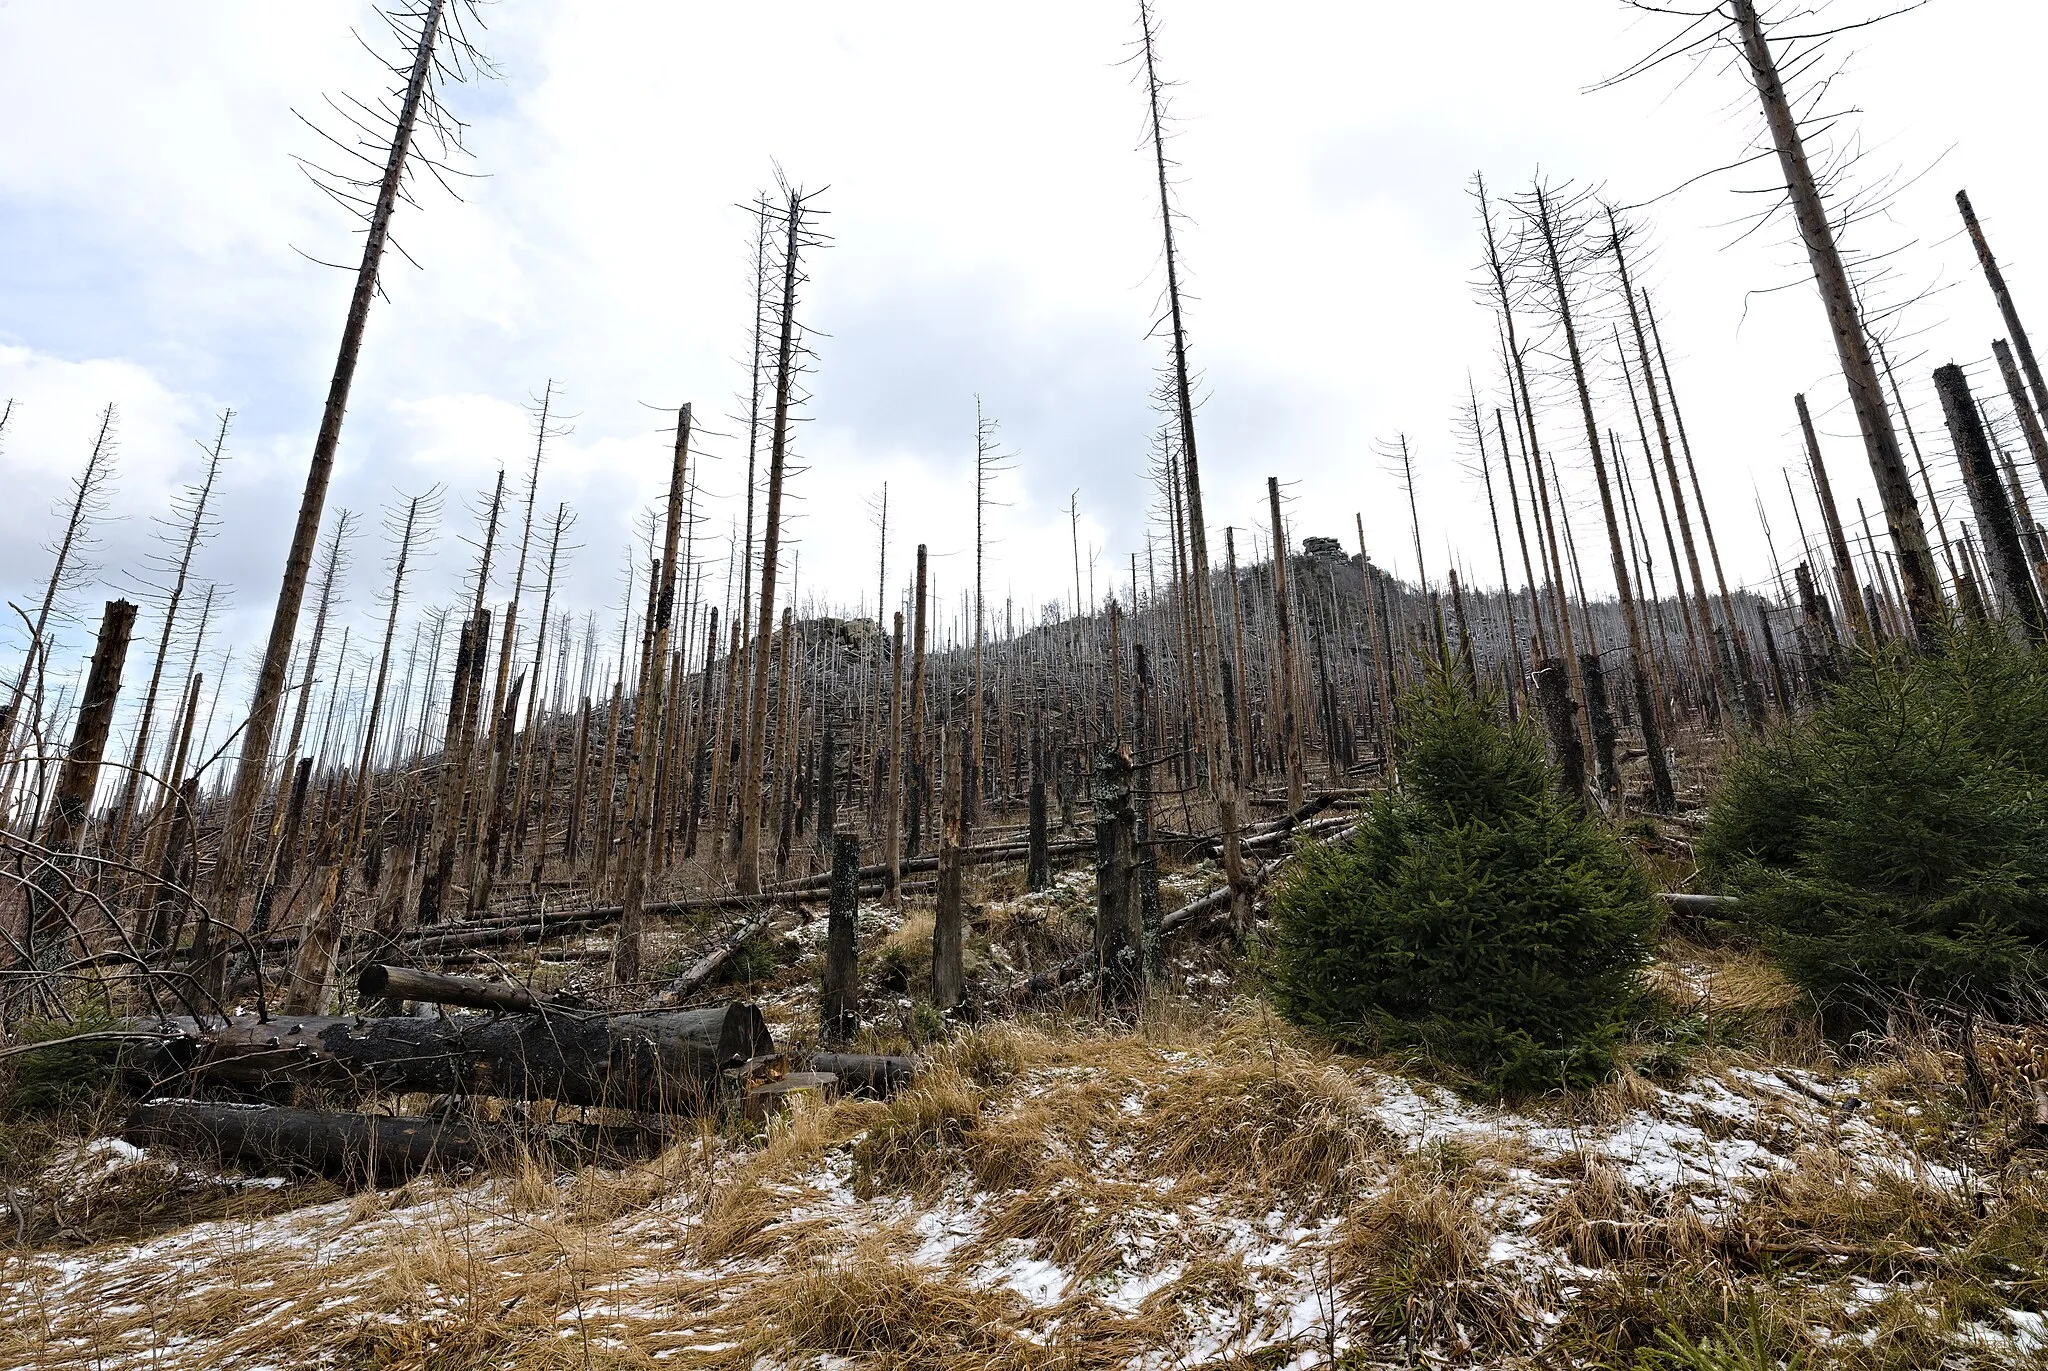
2002 545
1880 439
80 774
253 769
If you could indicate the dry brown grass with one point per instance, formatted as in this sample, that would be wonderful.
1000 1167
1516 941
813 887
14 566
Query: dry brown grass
1412 1260
1178 1192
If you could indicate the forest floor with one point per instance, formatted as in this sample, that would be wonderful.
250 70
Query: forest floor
1202 1189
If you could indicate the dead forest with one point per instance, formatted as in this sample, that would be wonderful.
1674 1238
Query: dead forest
420 887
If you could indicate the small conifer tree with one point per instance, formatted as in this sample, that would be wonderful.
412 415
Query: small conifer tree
1894 843
1479 914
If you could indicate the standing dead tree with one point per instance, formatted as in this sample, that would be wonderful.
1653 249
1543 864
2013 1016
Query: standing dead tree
797 216
629 948
387 141
1207 638
190 505
1758 43
87 503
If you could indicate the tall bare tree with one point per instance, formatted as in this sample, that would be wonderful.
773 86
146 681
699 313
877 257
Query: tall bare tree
1223 759
430 32
190 507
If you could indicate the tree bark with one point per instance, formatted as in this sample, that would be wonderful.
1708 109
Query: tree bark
949 970
747 872
839 1004
353 1148
1880 439
2009 572
80 774
656 1062
1838 541
1119 927
2006 309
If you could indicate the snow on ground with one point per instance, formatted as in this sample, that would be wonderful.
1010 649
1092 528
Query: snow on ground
671 1268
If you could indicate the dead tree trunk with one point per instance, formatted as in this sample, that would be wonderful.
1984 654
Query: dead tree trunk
1838 540
914 742
253 769
1880 440
629 949
839 1003
352 1148
2008 558
1283 626
1600 715
2006 309
892 818
1038 864
80 775
655 1062
949 969
319 948
1554 701
747 872
1119 926
1207 659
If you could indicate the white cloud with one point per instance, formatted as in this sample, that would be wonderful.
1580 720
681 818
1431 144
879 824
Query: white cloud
994 232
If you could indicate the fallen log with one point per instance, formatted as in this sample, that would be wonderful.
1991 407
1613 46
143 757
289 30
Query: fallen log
707 966
969 856
1699 906
656 1063
862 1074
1074 968
1045 982
378 980
354 1148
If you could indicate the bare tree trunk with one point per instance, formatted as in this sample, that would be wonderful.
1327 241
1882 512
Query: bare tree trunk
747 872
138 752
892 817
319 948
1225 778
949 970
1880 440
1119 926
630 946
79 776
86 489
253 769
2006 309
839 1002
919 789
1283 626
1831 517
1995 520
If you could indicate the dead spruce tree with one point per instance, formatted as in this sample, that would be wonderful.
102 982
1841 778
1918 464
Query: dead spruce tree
1206 638
1759 41
87 502
388 141
796 217
192 524
629 948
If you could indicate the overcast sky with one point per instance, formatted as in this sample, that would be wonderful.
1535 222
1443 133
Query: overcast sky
994 233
